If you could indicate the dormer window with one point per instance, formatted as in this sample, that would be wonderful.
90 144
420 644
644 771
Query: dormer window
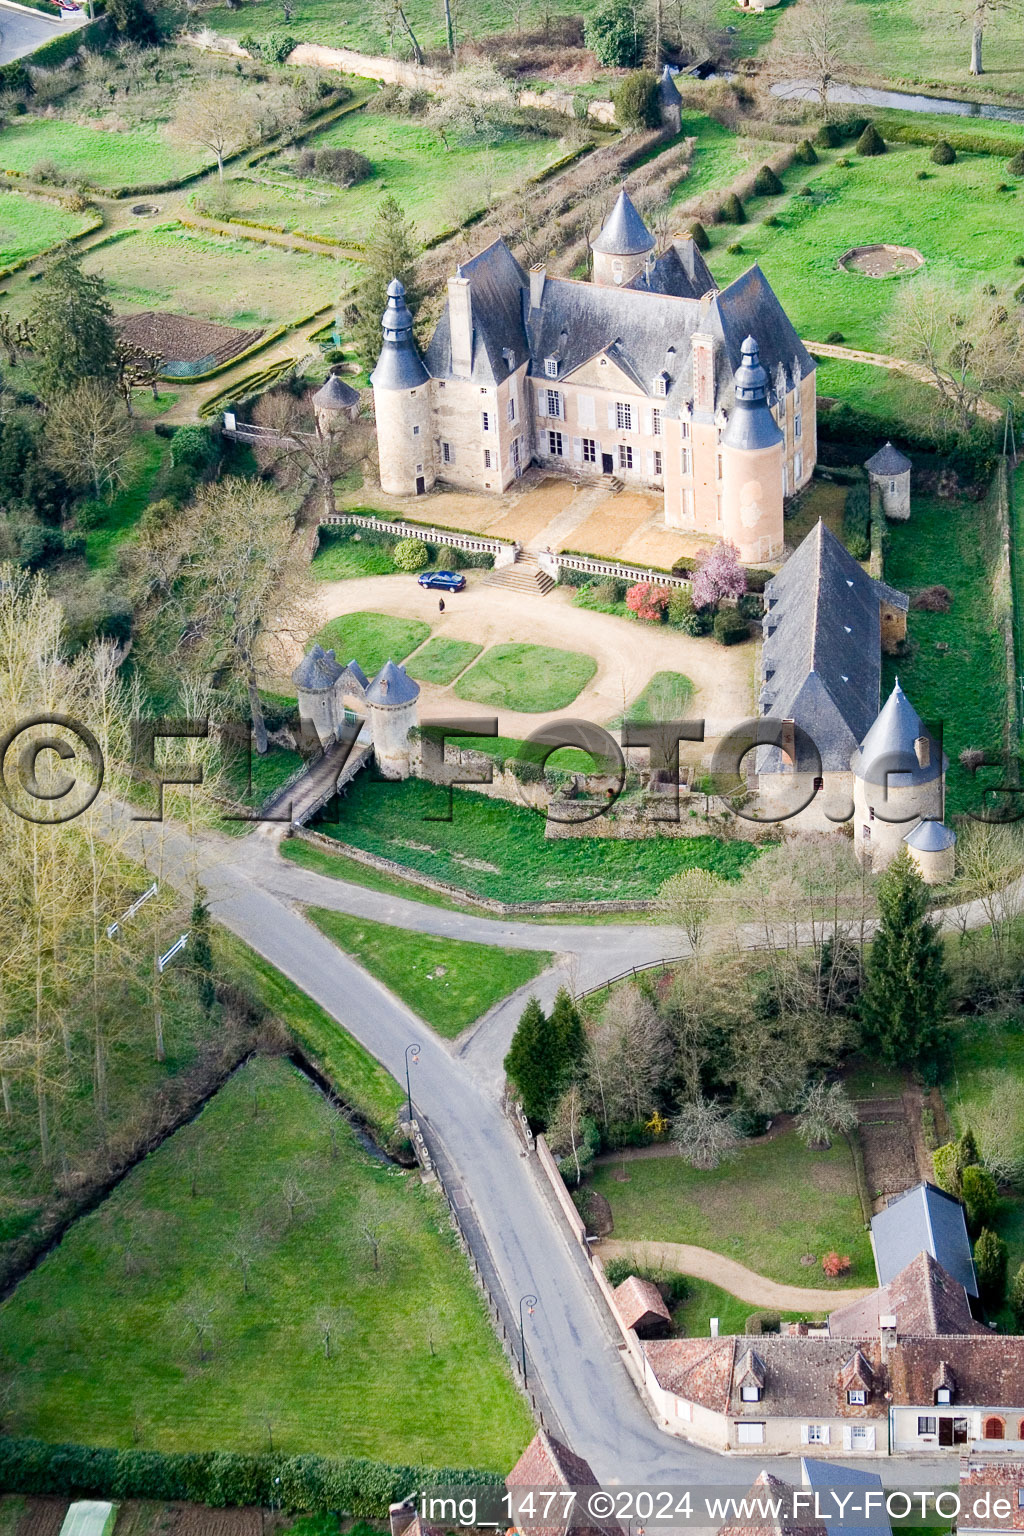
661 384
943 1395
551 367
751 1394
856 1397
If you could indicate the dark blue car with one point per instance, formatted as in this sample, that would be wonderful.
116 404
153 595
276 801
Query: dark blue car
447 581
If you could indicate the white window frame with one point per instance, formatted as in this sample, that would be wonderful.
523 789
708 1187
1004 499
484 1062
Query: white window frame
447 453
750 1394
656 422
590 443
927 1424
815 1434
485 420
684 430
511 408
661 385
554 404
556 444
487 458
685 463
798 425
943 1397
857 1397
798 466
625 456
624 415
659 465
551 367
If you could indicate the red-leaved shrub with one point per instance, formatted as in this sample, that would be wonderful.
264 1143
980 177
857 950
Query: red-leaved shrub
834 1266
648 601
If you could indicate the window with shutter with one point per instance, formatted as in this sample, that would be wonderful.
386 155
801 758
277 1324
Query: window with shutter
656 422
542 402
577 450
749 1434
585 411
611 413
554 403
589 451
623 416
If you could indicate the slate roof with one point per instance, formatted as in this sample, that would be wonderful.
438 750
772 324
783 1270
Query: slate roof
888 461
887 754
335 395
548 1464
751 424
930 836
317 671
358 674
577 321
923 1220
681 272
668 91
822 652
989 1372
399 365
392 686
638 1300
923 1298
769 1488
824 1476
624 232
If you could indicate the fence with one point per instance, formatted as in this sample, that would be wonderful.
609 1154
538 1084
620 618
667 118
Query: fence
553 563
635 970
404 530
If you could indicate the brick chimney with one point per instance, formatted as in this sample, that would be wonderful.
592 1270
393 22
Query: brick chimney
460 324
538 277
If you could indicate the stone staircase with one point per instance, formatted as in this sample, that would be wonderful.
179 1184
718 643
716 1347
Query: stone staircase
614 484
524 575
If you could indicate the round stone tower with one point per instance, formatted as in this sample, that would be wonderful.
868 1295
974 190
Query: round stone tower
334 402
402 405
933 850
623 246
890 471
391 704
315 680
899 778
752 448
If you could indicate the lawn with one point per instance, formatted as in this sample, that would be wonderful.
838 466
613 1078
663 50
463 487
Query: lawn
103 1334
372 638
966 231
235 282
737 1209
127 158
719 156
442 660
963 685
703 1301
877 392
531 679
359 1080
29 225
915 44
437 188
141 468
665 698
252 778
345 552
496 849
447 982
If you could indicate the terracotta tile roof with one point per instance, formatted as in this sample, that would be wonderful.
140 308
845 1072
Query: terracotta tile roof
989 1371
801 1375
638 1299
999 1475
923 1298
699 1370
548 1464
767 1486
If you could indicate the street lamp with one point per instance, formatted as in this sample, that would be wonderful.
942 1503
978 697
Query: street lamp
412 1051
529 1302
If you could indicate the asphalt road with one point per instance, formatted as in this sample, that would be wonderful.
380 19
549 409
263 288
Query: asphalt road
22 31
255 894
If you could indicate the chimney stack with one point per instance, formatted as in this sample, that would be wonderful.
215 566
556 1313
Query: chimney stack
460 324
538 277
923 751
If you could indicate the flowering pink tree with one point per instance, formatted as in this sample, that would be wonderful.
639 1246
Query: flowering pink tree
648 601
718 575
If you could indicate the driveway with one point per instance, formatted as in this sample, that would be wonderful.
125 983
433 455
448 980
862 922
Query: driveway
627 655
22 31
735 1278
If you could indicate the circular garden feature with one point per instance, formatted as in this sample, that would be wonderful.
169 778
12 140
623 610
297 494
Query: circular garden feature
881 260
142 209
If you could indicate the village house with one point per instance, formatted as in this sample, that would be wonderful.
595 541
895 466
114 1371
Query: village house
647 376
992 1489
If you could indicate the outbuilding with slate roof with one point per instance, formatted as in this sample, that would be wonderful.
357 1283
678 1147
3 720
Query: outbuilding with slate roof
899 777
335 401
391 701
889 470
670 103
932 847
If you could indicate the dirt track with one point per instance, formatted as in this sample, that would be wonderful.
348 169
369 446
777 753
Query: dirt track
735 1278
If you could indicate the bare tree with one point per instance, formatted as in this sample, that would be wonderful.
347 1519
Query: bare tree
305 450
629 1053
687 901
294 1195
198 1314
999 1127
968 342
990 871
220 116
695 27
87 435
703 1133
137 368
472 103
825 1112
245 1250
976 15
330 1322
812 49
565 1128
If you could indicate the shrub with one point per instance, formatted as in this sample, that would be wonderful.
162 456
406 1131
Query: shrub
699 236
857 521
937 599
614 39
400 101
636 101
179 484
1016 165
870 142
806 192
828 136
647 601
990 1258
980 1197
735 248
194 447
1002 186
767 183
410 554
835 1265
448 557
806 153
611 590
762 1322
844 162
835 338
683 615
344 167
854 127
943 153
922 175
732 210
750 605
730 627
1017 1298
1018 261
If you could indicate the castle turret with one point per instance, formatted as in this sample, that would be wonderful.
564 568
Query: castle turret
752 449
334 402
402 404
670 103
899 778
315 680
622 247
933 850
391 702
890 471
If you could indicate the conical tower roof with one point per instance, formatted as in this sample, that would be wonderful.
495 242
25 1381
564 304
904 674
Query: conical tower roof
888 752
624 232
399 365
668 91
392 686
335 395
751 424
930 836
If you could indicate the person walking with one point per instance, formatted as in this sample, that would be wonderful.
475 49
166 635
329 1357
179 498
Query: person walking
440 605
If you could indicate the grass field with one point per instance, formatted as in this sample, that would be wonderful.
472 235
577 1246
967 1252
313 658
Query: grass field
720 154
878 392
665 1200
913 43
496 849
142 468
532 679
128 158
437 188
103 1335
29 225
448 982
342 554
965 229
235 282
442 660
964 686
665 698
372 638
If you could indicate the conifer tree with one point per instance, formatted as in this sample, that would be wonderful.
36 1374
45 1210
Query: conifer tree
905 992
202 951
568 1042
529 1063
73 324
390 253
990 1256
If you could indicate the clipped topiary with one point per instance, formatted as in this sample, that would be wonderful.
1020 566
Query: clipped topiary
772 221
730 627
943 153
835 338
735 249
699 236
828 136
1016 165
410 554
870 142
732 210
767 183
806 153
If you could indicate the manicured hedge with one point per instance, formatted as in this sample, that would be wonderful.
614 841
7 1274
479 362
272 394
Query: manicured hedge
353 1485
969 143
972 457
